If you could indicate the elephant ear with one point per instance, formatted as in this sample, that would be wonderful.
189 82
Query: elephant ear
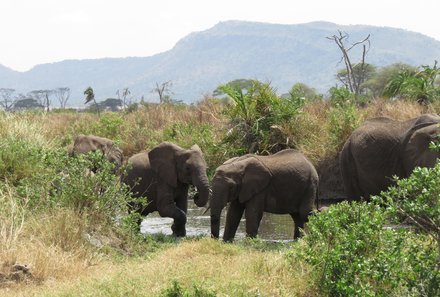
195 147
163 162
255 179
416 152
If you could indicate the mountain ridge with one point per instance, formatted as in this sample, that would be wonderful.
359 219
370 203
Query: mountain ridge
199 62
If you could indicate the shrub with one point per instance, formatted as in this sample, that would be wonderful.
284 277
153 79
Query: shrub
353 254
255 112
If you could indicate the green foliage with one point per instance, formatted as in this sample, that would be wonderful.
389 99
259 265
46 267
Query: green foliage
416 201
254 113
341 96
176 290
304 92
417 85
361 73
109 126
19 159
376 84
343 120
353 254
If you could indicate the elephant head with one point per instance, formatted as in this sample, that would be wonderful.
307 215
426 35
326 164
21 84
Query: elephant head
238 179
90 143
416 150
175 165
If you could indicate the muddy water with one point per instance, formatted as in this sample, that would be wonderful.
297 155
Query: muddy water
272 227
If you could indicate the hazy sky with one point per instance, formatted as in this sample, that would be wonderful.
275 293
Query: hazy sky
43 31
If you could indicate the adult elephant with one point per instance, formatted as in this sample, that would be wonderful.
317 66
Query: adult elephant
381 148
283 183
83 144
163 176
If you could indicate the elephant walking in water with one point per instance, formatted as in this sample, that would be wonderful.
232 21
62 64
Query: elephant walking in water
381 148
163 176
283 183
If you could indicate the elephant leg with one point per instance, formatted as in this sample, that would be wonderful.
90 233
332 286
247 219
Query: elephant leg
253 219
235 212
299 221
177 227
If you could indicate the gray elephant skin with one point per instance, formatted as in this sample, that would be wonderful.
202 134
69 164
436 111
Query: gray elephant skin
283 183
163 176
83 144
381 148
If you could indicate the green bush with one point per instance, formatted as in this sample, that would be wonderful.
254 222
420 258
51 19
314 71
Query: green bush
343 120
352 253
253 114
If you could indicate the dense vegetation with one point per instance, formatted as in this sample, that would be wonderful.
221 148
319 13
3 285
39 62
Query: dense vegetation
70 227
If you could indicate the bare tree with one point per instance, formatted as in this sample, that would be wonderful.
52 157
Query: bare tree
7 100
43 97
164 91
63 95
354 76
123 96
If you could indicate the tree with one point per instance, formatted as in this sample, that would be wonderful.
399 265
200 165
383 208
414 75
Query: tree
63 95
27 103
164 91
43 97
90 96
301 90
241 84
7 100
355 73
122 95
419 84
376 84
361 73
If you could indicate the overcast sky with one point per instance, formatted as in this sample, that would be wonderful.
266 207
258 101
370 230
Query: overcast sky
43 31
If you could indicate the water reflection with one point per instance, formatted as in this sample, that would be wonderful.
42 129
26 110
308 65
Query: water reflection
272 227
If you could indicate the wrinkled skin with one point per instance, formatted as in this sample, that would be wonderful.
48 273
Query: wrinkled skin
83 144
283 183
163 176
383 147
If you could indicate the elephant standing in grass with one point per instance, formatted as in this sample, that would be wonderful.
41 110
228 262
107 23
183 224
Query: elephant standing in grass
83 144
163 176
381 148
283 183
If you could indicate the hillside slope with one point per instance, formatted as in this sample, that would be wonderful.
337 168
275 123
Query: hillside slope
199 62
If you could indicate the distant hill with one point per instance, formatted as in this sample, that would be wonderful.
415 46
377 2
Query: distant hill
199 62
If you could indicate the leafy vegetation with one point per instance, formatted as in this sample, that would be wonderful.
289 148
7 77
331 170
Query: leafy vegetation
70 223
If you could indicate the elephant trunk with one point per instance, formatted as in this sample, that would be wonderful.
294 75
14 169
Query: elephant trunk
216 204
202 184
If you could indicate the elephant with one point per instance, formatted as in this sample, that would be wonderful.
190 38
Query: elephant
382 148
163 176
282 183
83 144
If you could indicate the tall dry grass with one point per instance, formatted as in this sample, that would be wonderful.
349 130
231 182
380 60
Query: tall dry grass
224 269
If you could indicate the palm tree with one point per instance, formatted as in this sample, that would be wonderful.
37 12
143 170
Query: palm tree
90 96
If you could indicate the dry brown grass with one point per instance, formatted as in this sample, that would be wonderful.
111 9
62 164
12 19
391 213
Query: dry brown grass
52 245
227 270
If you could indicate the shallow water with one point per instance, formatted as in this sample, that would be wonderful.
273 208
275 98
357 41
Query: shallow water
272 227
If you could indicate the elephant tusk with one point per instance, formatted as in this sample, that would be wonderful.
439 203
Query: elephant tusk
206 210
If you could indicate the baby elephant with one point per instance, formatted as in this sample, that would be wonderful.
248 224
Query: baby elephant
283 183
